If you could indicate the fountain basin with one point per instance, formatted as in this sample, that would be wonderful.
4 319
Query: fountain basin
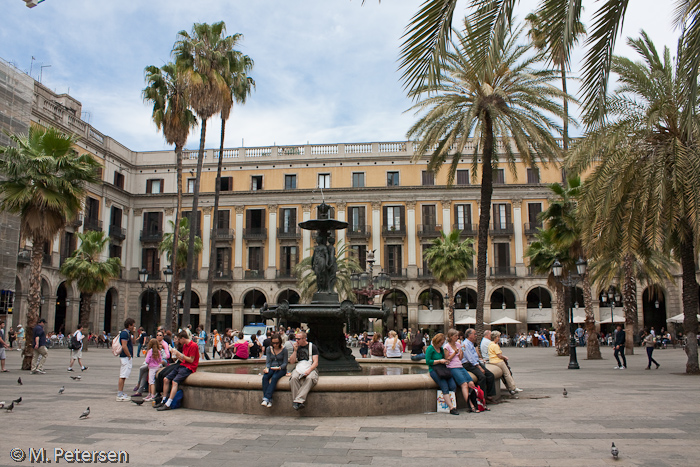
217 387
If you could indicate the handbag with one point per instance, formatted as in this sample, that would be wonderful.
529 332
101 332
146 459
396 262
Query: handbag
442 371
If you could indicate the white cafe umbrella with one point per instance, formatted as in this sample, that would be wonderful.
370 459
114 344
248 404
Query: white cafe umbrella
505 320
677 318
618 319
467 320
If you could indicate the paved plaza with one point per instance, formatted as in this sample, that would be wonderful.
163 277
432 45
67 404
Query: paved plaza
652 416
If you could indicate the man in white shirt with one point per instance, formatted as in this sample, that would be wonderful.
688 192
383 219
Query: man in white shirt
77 354
484 346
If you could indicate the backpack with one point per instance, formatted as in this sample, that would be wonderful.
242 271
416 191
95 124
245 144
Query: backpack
177 400
480 399
74 342
116 346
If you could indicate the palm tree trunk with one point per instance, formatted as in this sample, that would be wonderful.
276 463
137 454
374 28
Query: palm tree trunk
592 346
173 311
484 220
85 313
562 319
565 133
215 224
34 300
450 304
629 294
194 224
690 306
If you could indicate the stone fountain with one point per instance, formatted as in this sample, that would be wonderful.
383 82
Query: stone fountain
326 315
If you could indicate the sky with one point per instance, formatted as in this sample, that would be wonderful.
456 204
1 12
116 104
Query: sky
326 71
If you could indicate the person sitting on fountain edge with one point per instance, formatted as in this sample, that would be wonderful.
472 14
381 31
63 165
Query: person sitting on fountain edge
305 375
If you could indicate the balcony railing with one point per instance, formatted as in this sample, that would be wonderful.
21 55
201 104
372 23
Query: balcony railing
532 227
285 274
254 274
429 230
532 272
397 273
467 230
24 256
223 275
503 271
154 276
394 231
288 232
77 221
501 229
359 231
151 236
92 224
425 273
222 234
117 232
255 233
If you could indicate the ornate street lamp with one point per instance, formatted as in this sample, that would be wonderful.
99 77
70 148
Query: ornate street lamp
143 279
367 285
570 280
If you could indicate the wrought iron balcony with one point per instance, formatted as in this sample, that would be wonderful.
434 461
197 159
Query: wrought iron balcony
117 232
24 256
224 275
152 236
394 231
92 224
532 272
503 271
285 274
532 227
429 230
77 221
254 274
255 233
222 234
501 229
467 230
359 231
397 273
289 232
47 261
425 273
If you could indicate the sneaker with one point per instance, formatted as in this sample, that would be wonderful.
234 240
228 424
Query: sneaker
70 369
269 404
623 368
264 403
159 404
125 398
616 368
84 368
454 412
296 406
41 372
148 398
136 394
657 366
649 368
518 390
512 393
163 407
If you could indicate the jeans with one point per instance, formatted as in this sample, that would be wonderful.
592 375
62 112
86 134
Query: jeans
269 382
650 350
621 352
446 385
417 357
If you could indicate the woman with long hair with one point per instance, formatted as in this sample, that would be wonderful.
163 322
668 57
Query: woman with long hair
275 367
376 348
435 355
454 354
392 346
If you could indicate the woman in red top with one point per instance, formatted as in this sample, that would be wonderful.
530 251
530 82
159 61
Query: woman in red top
241 348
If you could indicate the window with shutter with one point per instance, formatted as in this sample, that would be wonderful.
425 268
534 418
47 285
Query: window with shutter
190 185
224 220
324 180
533 211
462 177
463 216
226 184
256 182
533 175
255 254
119 180
499 176
393 259
428 178
392 179
429 214
358 179
290 182
149 186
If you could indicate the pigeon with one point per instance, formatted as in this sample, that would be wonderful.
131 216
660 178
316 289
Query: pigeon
137 402
565 392
17 401
614 451
10 407
19 381
63 388
76 377
85 414
2 404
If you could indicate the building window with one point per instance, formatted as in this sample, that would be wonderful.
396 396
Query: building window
226 184
358 179
533 212
393 217
190 185
462 177
357 218
288 220
256 183
223 261
533 175
194 226
501 216
255 258
501 256
92 210
324 180
359 252
154 186
392 259
223 220
290 182
392 179
150 260
499 176
429 214
426 267
428 178
119 180
288 259
115 251
463 216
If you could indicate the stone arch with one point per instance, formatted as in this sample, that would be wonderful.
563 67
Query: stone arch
149 305
111 311
654 308
397 302
290 295
221 297
500 295
465 296
537 295
429 296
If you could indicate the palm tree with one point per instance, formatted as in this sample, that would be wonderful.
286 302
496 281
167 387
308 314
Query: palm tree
167 91
427 37
562 218
645 169
347 265
503 99
90 273
450 261
203 56
183 238
241 86
558 57
543 252
46 182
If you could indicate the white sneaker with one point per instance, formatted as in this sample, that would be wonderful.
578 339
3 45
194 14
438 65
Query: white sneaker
623 368
123 398
616 368
518 390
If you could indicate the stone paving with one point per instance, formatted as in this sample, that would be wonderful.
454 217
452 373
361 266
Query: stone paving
652 416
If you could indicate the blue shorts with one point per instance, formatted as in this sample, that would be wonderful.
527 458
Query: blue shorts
460 376
179 375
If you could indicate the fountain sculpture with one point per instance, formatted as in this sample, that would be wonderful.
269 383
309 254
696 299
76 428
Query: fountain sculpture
326 315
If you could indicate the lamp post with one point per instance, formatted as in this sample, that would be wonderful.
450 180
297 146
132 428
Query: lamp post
570 280
143 279
368 285
613 297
